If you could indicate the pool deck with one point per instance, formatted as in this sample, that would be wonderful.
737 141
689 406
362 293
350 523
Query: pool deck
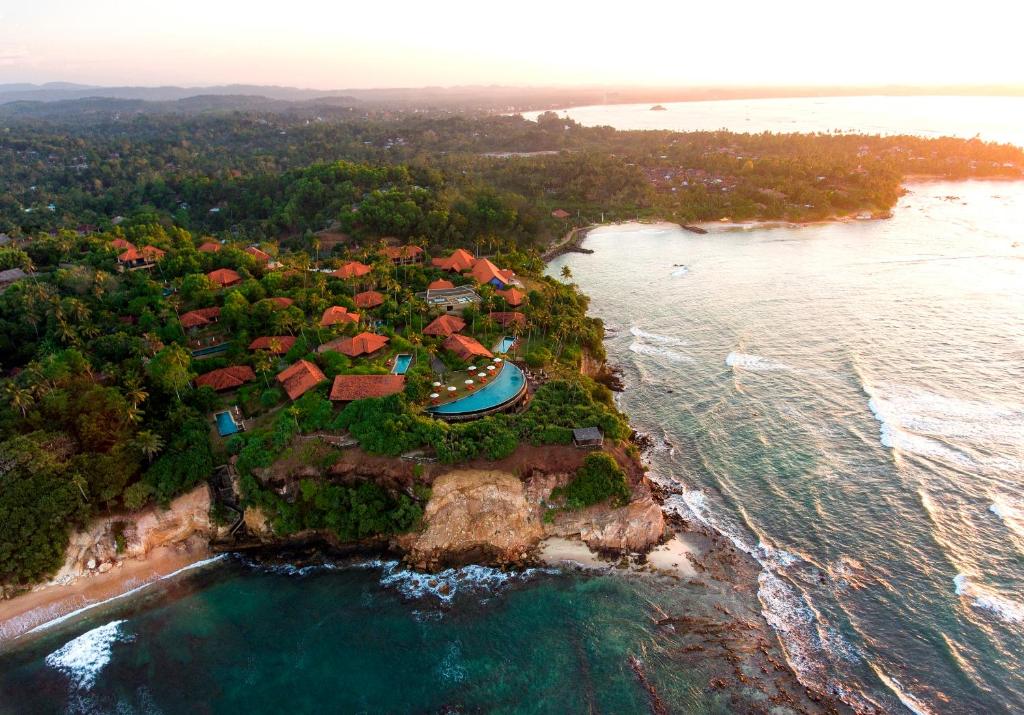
464 394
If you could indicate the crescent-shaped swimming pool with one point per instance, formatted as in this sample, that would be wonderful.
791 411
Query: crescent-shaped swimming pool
503 391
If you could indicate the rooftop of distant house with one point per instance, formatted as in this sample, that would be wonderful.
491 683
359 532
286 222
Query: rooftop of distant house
226 378
276 344
362 344
445 325
300 378
466 348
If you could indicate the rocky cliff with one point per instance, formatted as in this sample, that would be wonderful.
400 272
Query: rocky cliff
112 539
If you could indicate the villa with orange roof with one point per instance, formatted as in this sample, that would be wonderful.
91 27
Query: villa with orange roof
347 388
403 255
362 345
199 318
338 315
300 378
139 258
512 296
352 269
369 299
224 277
459 261
440 284
210 247
445 325
487 273
507 320
274 344
226 378
466 348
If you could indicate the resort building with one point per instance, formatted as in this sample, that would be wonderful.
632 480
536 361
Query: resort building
587 437
226 378
369 299
466 348
210 247
281 302
300 378
486 273
362 345
224 277
121 244
135 259
347 388
512 296
440 284
195 319
274 344
450 300
403 255
261 256
338 315
352 269
459 261
445 325
508 319
561 214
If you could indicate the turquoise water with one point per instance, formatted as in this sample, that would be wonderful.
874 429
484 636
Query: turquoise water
226 424
237 638
504 345
501 389
846 402
402 363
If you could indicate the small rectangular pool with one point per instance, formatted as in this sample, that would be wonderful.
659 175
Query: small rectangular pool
402 363
226 424
504 345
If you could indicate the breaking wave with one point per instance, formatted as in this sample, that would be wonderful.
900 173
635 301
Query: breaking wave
680 271
83 658
753 362
1005 609
655 351
444 585
657 339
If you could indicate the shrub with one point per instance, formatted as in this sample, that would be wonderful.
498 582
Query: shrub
599 478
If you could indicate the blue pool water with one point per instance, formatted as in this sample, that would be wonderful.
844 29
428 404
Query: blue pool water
402 363
504 387
505 345
226 424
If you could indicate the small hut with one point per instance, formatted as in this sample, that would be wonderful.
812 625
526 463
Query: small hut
587 437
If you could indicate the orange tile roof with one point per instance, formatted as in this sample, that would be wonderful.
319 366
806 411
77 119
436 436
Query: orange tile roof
227 378
224 277
300 378
281 302
359 387
444 326
352 269
369 299
132 254
512 296
561 213
152 253
121 244
276 344
484 272
338 315
202 316
397 253
441 284
258 254
507 319
460 260
466 348
362 344
210 247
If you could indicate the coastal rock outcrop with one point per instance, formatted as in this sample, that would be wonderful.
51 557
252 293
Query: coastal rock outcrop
635 527
111 539
476 515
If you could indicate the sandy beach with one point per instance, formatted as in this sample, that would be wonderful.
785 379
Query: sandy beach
673 556
48 602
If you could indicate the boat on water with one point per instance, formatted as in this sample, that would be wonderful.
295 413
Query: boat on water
659 108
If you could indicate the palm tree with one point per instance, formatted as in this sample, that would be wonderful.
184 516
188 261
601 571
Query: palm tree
149 444
19 397
79 481
566 272
264 363
134 391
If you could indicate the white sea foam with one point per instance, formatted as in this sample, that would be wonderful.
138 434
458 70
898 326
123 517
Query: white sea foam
925 423
657 339
909 701
753 362
444 585
680 271
130 592
1005 609
659 352
83 658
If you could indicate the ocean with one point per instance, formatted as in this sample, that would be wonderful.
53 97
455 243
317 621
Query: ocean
845 401
997 119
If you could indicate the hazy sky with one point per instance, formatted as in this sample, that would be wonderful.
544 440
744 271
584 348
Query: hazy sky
380 43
